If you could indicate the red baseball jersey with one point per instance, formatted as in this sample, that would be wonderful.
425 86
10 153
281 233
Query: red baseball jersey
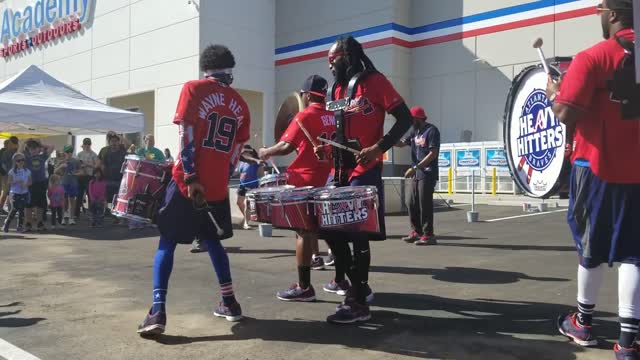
364 118
215 124
602 136
306 169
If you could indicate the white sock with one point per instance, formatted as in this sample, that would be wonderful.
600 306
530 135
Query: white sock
629 291
589 282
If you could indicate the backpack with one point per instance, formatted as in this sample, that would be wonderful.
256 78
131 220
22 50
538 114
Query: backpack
623 86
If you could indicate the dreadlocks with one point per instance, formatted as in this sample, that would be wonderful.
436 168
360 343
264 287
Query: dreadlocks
356 60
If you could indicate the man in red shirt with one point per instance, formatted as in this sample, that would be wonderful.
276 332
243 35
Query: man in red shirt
307 169
214 124
605 187
360 118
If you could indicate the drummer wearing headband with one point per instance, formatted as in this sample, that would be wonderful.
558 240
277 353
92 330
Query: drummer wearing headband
214 124
307 169
361 123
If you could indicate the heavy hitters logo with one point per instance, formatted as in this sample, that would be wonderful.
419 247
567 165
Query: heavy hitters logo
343 212
540 135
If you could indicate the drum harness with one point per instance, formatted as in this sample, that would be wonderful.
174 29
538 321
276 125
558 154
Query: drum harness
344 161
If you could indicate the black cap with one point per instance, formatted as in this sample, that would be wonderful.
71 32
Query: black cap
86 141
620 4
316 85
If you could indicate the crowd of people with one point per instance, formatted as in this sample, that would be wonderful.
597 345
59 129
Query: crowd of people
37 183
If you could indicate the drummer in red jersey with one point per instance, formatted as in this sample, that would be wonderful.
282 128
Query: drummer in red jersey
307 169
214 123
360 125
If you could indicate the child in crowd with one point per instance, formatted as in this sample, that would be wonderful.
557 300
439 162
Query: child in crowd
36 156
56 199
70 169
97 198
19 182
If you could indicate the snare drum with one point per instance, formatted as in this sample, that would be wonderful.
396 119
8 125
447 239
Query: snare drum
141 189
260 201
271 180
347 209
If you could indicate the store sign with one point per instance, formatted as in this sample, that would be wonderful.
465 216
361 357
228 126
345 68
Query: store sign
42 22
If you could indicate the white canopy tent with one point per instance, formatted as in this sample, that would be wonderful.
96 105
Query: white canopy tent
34 103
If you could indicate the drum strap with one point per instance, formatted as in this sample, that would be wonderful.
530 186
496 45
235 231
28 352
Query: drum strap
344 161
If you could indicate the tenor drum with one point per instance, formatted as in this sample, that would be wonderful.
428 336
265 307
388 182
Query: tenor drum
534 137
260 201
347 209
271 180
292 209
141 189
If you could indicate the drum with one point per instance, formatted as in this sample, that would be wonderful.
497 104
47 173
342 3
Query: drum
534 137
293 209
260 201
141 189
347 209
271 180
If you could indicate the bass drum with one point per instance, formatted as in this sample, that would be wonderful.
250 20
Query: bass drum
534 137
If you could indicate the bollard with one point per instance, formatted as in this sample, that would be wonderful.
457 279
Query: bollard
450 181
494 181
472 216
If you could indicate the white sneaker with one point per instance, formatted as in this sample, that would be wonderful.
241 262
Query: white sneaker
246 226
72 221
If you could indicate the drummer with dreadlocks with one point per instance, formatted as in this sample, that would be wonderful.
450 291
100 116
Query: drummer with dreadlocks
360 125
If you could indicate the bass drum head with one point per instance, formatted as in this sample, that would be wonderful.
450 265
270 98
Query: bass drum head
534 137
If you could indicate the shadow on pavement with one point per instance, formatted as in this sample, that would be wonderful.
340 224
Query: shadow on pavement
464 275
13 322
496 329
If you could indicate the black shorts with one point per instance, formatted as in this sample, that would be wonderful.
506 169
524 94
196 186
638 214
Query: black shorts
242 190
38 192
179 221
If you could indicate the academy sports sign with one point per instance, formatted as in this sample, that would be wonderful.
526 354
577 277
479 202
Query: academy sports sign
41 22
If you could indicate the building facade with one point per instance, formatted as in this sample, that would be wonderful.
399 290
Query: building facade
456 58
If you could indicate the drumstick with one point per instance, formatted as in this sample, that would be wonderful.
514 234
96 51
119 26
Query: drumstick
306 133
274 166
537 44
219 231
339 146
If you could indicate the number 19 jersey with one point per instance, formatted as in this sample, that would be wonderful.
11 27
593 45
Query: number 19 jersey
215 123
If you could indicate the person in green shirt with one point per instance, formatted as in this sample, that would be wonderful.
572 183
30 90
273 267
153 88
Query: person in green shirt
150 152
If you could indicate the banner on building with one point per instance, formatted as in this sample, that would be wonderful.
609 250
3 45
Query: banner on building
496 158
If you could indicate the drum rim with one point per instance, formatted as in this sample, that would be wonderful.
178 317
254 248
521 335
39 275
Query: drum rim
142 159
516 84
369 190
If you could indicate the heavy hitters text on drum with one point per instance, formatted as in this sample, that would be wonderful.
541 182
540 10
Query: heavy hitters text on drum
342 213
540 130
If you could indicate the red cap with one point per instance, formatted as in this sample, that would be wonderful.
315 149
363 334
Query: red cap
418 112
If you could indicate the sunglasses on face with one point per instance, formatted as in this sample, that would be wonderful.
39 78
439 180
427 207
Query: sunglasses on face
19 160
333 57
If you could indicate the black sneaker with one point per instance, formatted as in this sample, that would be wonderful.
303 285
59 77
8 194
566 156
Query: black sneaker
5 227
3 212
330 260
232 312
296 293
317 263
28 227
41 227
198 246
153 324
349 314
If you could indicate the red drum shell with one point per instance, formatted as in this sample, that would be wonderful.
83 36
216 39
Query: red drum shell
140 176
292 209
260 201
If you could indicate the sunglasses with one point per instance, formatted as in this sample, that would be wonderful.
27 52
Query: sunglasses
601 8
334 56
19 160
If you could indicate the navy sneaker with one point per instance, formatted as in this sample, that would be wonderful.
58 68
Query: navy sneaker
349 314
350 297
426 240
296 293
569 327
627 353
153 324
340 288
198 246
232 312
